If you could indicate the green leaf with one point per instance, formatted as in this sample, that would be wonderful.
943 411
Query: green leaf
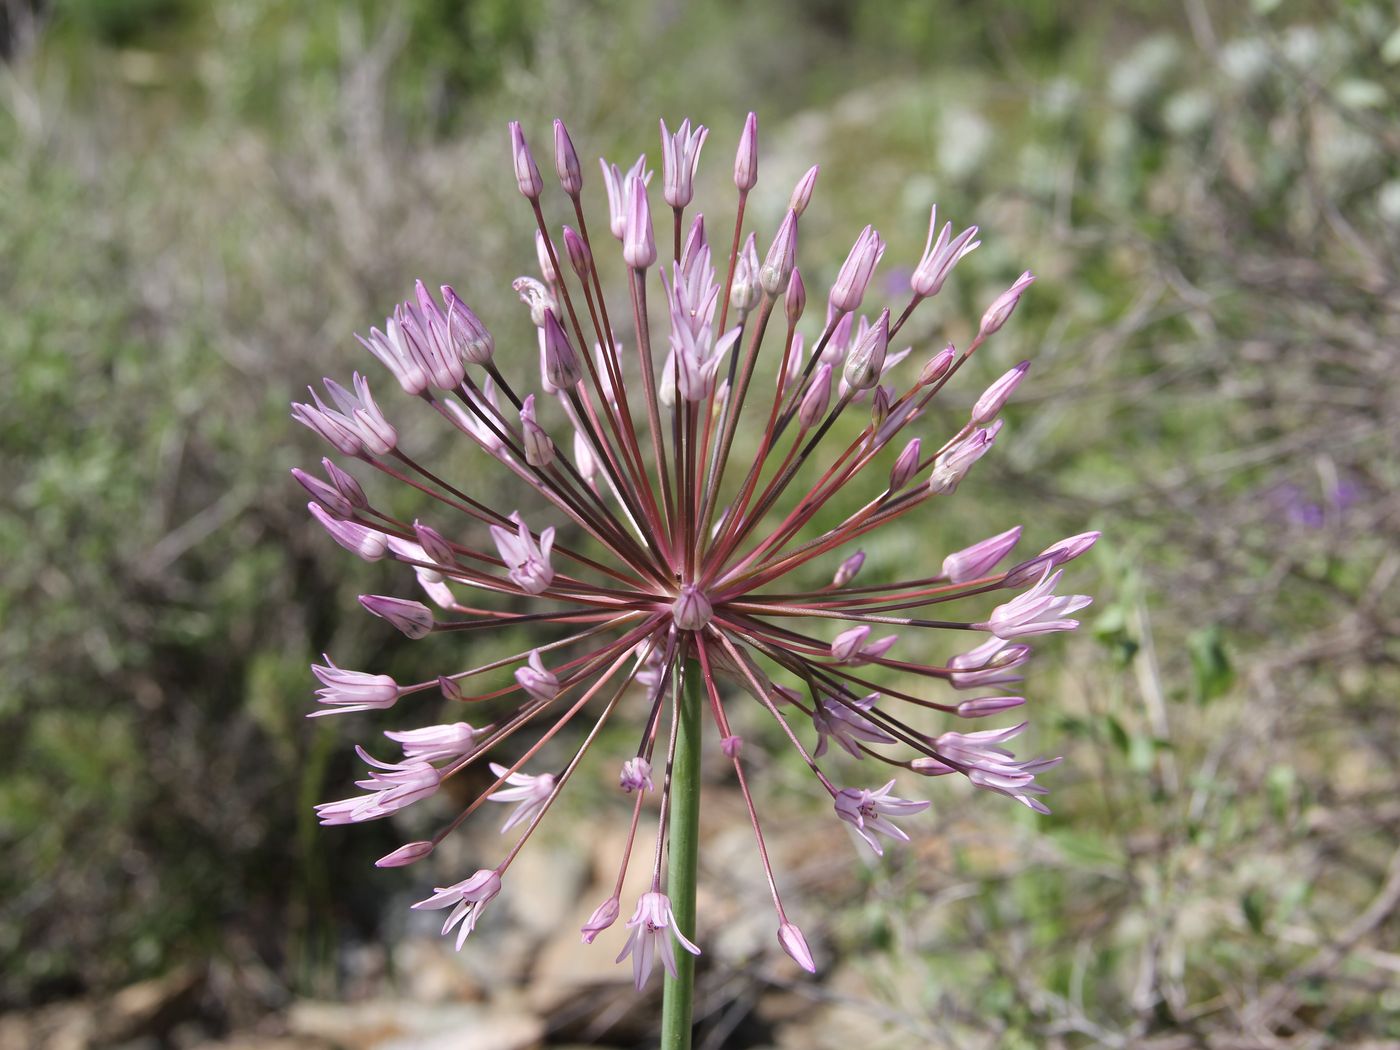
1210 664
1253 904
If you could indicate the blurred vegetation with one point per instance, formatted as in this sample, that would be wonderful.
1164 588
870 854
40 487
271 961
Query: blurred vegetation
199 202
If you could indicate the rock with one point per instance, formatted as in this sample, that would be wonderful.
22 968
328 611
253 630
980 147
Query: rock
401 1025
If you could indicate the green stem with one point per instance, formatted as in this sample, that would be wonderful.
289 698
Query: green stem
682 849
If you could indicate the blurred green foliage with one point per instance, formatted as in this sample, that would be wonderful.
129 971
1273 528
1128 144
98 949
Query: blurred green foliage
199 202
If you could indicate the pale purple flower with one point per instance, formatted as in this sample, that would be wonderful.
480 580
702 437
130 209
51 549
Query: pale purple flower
636 775
390 785
653 927
412 618
355 426
536 679
527 559
466 899
530 792
981 758
619 188
1037 611
638 242
940 256
842 720
345 691
444 743
680 157
988 664
952 465
852 646
668 533
869 812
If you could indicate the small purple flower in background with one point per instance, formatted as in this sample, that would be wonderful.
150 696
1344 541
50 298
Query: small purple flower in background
661 555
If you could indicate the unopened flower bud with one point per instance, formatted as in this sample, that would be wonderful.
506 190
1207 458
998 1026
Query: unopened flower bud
405 855
855 273
469 336
746 159
879 412
732 746
790 937
1002 306
979 559
867 358
952 466
326 495
815 401
580 258
937 366
527 175
566 164
802 192
905 465
692 610
846 571
603 916
547 270
743 296
795 301
369 544
412 618
1066 549
450 690
539 449
638 242
996 395
561 364
782 254
434 545
989 705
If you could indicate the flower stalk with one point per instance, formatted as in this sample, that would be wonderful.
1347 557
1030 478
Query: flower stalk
678 994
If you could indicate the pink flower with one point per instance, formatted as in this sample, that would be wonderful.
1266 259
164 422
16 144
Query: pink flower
531 792
869 812
653 928
345 691
527 560
690 494
467 899
1038 611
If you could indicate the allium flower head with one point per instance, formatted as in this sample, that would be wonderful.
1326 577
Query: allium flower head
687 537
